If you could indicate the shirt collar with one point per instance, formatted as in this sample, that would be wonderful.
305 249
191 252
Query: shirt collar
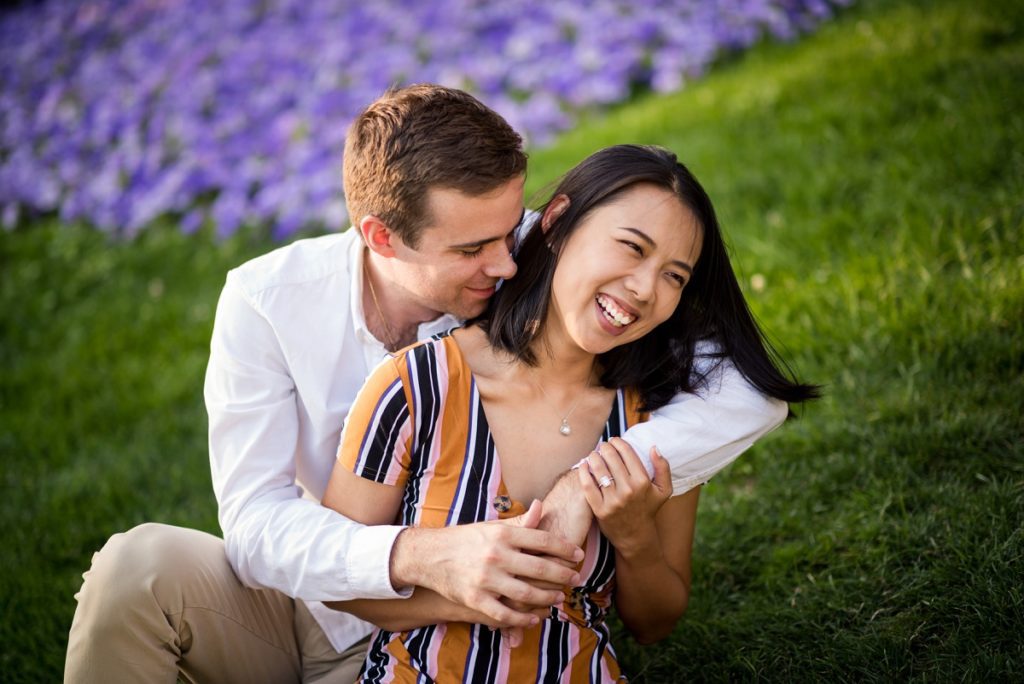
355 260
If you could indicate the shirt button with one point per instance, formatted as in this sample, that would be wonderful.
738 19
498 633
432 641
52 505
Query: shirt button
502 503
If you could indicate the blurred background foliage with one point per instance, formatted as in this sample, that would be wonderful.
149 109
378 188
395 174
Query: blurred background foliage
870 178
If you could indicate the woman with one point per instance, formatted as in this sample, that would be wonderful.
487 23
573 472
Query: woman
624 282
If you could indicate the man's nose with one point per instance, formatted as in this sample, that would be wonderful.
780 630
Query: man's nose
500 263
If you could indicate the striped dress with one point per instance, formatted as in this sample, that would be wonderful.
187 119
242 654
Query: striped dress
419 424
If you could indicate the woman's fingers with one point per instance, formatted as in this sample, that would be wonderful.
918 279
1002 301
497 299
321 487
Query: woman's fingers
514 636
545 573
522 593
611 453
496 614
591 492
631 460
600 469
662 472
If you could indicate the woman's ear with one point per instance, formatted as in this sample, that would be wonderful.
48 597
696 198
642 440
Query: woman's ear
377 236
556 207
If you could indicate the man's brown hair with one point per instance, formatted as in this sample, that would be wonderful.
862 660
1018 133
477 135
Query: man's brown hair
418 137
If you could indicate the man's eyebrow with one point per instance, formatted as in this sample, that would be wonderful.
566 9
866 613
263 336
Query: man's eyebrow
487 241
650 241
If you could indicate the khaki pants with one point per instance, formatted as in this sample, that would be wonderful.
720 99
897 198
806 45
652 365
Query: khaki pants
161 603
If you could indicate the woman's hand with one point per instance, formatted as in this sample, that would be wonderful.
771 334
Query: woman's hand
652 535
622 496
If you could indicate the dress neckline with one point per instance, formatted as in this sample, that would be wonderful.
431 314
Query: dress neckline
504 504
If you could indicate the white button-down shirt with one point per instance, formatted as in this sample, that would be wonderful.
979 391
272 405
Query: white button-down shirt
290 351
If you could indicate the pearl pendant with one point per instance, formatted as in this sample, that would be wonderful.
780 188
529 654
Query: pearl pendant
565 429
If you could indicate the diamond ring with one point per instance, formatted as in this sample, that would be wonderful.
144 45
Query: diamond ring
605 481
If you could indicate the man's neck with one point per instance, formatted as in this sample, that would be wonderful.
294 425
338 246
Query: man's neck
390 313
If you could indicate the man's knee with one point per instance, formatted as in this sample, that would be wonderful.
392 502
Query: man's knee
151 563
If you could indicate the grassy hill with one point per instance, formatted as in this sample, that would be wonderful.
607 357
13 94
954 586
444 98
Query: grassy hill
871 181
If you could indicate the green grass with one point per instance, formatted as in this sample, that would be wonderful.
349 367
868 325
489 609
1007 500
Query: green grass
872 175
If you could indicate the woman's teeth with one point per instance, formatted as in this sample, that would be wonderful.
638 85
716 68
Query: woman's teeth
614 314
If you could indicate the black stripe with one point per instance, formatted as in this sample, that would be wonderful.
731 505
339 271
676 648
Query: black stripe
422 364
374 668
603 644
394 415
617 418
556 650
481 459
474 643
484 660
417 643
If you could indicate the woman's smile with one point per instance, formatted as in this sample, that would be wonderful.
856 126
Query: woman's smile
615 313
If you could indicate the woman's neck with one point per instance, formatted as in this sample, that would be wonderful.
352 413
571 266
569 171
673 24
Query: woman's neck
560 361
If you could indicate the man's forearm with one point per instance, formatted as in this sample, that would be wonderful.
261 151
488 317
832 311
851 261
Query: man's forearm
701 434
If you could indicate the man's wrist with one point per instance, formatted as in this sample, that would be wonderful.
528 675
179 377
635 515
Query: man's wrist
403 567
566 511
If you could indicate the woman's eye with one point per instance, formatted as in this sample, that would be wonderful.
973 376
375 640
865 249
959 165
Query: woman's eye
633 246
678 279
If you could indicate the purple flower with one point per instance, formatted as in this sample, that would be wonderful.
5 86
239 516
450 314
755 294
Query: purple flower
117 112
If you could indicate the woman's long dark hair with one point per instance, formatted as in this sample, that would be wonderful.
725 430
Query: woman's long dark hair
660 364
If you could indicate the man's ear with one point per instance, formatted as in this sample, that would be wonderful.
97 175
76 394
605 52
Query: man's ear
556 207
377 236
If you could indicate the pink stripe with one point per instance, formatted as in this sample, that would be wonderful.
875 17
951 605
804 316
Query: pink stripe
574 649
433 669
435 445
504 660
591 548
606 674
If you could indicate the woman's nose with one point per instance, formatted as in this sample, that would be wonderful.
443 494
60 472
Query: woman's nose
640 283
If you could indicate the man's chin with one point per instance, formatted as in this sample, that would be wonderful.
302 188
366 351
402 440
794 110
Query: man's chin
468 309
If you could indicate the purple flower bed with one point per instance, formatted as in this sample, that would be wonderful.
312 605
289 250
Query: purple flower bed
116 112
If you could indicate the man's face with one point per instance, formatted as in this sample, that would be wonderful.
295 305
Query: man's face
464 249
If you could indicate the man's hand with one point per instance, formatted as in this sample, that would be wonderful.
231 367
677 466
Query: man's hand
479 564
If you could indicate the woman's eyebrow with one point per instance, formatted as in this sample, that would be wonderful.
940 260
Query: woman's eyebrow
650 241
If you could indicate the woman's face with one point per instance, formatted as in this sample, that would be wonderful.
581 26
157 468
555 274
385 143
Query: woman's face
623 270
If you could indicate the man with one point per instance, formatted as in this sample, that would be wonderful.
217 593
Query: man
434 185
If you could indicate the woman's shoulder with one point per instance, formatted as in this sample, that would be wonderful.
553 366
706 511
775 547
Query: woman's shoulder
442 344
423 361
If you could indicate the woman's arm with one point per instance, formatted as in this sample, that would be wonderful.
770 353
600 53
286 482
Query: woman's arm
653 580
423 608
652 536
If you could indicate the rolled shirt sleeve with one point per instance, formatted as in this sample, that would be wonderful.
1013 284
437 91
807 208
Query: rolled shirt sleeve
700 434
274 538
